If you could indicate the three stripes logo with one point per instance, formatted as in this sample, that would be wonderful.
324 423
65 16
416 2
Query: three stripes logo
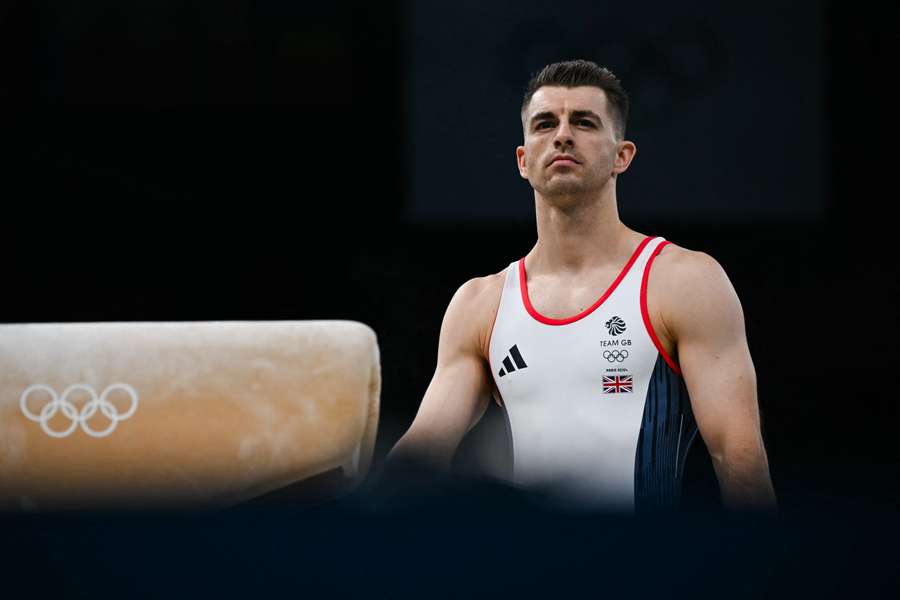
508 366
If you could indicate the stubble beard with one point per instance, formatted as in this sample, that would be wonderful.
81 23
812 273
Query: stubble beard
569 192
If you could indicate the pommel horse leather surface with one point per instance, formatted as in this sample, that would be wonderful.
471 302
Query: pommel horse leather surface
193 414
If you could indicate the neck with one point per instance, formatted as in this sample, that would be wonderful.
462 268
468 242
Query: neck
579 233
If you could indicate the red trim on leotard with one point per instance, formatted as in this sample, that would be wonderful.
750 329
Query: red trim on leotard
523 286
646 314
490 344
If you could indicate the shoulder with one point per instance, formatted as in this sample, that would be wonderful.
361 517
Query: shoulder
473 308
685 269
692 287
480 289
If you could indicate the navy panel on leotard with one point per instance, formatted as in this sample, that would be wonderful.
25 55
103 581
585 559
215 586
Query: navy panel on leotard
667 432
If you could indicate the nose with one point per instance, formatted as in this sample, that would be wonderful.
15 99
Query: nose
563 135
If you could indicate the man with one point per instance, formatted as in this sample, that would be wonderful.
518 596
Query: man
604 390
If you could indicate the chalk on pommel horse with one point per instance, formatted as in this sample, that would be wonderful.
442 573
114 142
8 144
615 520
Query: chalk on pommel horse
182 415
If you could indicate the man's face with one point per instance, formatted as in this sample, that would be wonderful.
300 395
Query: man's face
574 123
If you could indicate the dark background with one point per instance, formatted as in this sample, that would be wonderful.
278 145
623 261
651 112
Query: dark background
726 105
261 160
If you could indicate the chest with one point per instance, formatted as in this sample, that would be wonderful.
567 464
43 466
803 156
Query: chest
558 297
564 298
604 357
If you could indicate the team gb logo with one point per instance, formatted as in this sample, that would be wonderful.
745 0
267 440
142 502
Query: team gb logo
615 325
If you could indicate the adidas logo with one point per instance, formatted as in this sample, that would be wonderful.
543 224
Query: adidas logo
508 364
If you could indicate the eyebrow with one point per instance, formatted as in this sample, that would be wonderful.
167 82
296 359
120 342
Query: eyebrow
576 114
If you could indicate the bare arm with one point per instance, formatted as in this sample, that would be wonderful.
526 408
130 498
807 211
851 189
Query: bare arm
707 323
459 391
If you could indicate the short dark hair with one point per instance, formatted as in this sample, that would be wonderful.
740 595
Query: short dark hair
574 73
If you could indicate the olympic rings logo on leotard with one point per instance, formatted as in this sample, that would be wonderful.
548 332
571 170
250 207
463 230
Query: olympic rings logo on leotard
61 403
615 355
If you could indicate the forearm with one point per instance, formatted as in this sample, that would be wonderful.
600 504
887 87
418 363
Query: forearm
433 450
744 482
410 470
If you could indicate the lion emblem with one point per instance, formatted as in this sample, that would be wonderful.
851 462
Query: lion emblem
615 325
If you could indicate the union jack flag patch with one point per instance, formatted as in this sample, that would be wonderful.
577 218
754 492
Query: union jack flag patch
617 384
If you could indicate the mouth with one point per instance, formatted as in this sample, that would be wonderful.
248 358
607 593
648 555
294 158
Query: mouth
567 161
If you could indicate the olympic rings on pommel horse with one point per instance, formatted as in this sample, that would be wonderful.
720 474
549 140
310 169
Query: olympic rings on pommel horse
192 415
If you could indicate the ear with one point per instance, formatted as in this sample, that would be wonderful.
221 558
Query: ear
624 156
520 159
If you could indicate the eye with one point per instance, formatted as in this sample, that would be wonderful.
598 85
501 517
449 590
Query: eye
586 122
541 124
